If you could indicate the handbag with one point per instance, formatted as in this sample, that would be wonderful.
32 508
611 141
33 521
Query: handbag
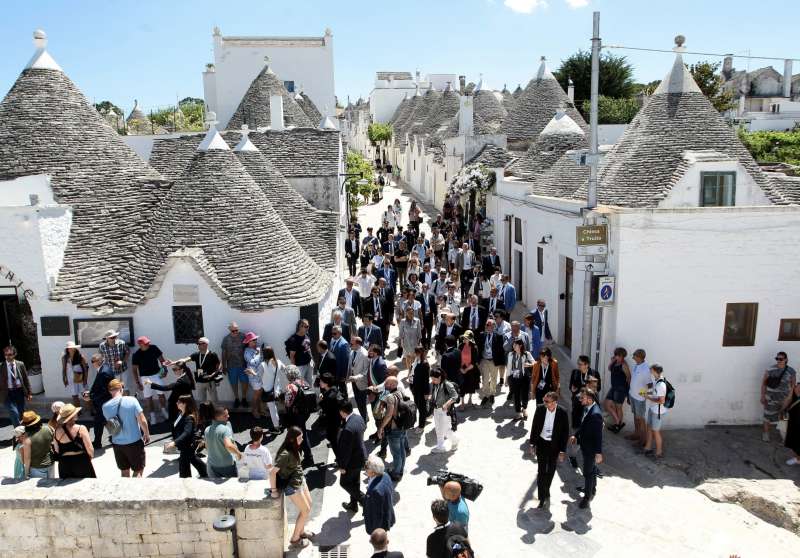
269 396
783 424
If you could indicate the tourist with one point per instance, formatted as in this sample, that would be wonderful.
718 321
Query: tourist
298 348
365 282
777 384
589 437
379 539
460 547
640 377
18 446
470 373
508 294
437 242
274 379
389 217
185 432
413 268
449 328
428 309
357 374
257 458
183 385
287 476
492 362
253 358
655 394
410 336
129 442
545 376
443 397
520 365
458 512
222 450
387 272
72 445
98 395
232 363
579 379
37 454
378 500
479 286
791 412
436 544
420 382
384 231
548 440
15 389
55 408
146 364
329 403
400 260
414 213
534 334
74 372
115 353
466 262
389 427
351 297
351 455
209 369
541 320
297 409
473 317
620 382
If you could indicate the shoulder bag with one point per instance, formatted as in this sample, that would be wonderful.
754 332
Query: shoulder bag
114 424
269 396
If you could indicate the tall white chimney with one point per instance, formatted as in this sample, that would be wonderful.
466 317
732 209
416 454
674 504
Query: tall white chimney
787 79
571 90
276 112
465 113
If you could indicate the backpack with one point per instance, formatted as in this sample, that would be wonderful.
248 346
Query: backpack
669 399
305 402
406 414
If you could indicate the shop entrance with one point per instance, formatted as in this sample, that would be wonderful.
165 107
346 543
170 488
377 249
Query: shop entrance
17 327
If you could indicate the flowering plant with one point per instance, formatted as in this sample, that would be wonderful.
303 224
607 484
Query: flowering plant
475 177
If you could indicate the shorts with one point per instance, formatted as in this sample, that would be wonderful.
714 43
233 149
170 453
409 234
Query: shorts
653 420
129 456
638 407
147 391
236 375
289 490
225 472
617 394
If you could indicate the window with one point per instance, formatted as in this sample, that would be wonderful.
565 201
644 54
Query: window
517 230
740 324
540 260
289 85
717 189
187 323
789 330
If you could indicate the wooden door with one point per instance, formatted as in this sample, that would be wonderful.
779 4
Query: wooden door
568 275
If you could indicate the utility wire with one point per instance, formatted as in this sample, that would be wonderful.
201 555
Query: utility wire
702 53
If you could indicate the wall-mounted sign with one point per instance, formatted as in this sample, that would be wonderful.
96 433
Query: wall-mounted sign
89 332
592 240
606 291
10 276
54 326
185 294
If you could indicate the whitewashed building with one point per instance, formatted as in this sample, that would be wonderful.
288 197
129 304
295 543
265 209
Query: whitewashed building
701 243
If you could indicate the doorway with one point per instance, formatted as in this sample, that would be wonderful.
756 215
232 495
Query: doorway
568 275
17 327
517 279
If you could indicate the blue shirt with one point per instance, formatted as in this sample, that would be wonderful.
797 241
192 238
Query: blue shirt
459 512
129 410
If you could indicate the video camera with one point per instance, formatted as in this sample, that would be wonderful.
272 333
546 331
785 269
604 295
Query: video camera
470 488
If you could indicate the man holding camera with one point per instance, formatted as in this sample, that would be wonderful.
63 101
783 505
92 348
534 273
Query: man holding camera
549 435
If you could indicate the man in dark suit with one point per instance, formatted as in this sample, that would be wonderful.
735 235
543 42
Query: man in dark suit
375 305
448 328
387 294
327 360
390 246
428 310
351 296
15 388
493 361
370 333
384 232
351 252
387 272
589 437
473 316
549 436
427 276
490 262
379 539
451 362
493 303
351 455
436 544
340 348
327 332
376 371
540 320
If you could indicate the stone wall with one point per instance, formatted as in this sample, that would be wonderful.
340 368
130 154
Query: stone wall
94 518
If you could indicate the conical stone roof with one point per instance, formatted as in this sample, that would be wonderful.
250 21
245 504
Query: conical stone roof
47 126
218 212
136 113
417 119
559 136
401 124
440 114
254 108
488 108
308 106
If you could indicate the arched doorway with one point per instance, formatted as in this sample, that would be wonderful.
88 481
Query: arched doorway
17 327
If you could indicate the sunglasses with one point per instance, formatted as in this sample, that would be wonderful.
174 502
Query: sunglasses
780 359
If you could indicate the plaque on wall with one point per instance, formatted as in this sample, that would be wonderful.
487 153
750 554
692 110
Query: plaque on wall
89 332
185 294
54 326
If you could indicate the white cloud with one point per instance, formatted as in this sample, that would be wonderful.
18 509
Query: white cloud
525 6
575 4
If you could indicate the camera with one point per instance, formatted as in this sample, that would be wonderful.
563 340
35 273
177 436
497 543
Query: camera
470 488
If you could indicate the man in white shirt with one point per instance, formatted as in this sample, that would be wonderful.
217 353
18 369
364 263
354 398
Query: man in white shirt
365 282
640 377
428 276
466 260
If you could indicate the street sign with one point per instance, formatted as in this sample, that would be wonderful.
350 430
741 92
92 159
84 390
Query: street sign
592 240
606 291
592 267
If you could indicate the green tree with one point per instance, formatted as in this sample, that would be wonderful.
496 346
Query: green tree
105 106
190 101
710 83
616 75
378 132
613 111
773 147
355 163
646 88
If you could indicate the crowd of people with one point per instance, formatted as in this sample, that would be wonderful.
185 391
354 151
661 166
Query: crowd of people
458 349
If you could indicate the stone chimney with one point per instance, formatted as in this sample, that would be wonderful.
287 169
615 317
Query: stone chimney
571 90
462 84
465 113
276 112
727 67
787 79
417 74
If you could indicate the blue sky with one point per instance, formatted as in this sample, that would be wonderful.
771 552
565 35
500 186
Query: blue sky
156 50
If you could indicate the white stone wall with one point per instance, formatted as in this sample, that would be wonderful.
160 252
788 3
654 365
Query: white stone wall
383 101
91 518
686 193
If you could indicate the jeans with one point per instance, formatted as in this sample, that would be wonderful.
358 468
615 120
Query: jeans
398 445
187 458
589 474
15 403
40 473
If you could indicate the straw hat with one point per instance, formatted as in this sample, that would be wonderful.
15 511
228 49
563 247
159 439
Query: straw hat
29 418
67 413
110 333
72 345
468 335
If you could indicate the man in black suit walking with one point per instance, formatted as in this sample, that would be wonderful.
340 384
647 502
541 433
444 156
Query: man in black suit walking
549 436
351 455
491 261
351 252
370 333
351 297
428 302
589 437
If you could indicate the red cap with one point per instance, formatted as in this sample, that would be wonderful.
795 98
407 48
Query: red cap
144 340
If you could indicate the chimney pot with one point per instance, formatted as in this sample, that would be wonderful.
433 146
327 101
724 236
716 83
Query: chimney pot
276 113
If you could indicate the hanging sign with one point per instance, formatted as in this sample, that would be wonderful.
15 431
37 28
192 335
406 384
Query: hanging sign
592 240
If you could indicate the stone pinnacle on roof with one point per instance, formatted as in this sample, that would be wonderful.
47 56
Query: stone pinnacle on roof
480 85
544 72
562 124
41 58
245 144
326 123
136 112
679 79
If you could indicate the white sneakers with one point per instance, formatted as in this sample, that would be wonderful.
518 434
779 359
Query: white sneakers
453 445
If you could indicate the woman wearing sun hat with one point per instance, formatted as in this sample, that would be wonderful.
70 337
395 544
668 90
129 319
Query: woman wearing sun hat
73 446
74 372
36 452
